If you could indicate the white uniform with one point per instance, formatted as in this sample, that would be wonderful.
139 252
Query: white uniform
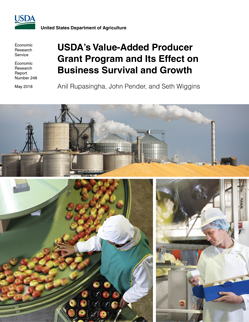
142 276
218 264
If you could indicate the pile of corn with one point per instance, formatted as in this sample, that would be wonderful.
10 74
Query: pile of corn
178 170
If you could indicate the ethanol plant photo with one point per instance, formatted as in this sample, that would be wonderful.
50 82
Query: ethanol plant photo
124 140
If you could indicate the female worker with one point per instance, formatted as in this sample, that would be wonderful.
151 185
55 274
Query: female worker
126 259
225 259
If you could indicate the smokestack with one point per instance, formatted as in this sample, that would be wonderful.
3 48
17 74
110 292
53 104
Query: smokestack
138 149
213 142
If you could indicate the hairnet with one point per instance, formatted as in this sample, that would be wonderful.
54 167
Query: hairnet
217 224
117 229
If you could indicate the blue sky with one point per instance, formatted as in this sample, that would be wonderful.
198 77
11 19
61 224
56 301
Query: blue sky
190 140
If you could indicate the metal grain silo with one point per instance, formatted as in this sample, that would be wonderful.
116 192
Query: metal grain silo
117 160
90 161
11 165
56 164
55 136
31 165
80 134
152 148
112 142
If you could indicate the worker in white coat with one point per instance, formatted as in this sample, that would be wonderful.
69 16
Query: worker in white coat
225 259
126 259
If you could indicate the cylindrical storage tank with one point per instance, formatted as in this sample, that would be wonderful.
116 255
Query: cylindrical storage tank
153 149
80 134
55 136
31 165
74 158
56 164
112 142
11 165
114 161
90 161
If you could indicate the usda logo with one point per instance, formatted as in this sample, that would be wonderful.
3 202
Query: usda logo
24 22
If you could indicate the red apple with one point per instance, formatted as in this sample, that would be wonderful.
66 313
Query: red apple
73 225
62 266
46 269
115 295
80 266
86 205
34 276
35 260
72 302
3 297
73 275
83 303
20 288
82 313
71 313
26 297
49 286
81 234
27 280
101 211
114 305
57 282
11 294
53 271
38 268
30 289
55 255
69 215
33 283
70 206
6 266
98 205
85 294
107 284
4 283
36 294
61 259
73 266
92 182
69 260
18 297
40 256
85 196
24 261
56 262
65 237
78 207
120 204
40 287
95 188
10 279
106 207
103 314
96 284
42 261
8 272
31 265
6 289
41 278
92 202
77 185
86 237
22 268
112 198
11 287
106 294
77 217
49 278
86 261
64 281
71 242
13 261
18 281
82 212
46 251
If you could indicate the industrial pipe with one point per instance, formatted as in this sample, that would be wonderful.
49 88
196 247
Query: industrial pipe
138 149
213 142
